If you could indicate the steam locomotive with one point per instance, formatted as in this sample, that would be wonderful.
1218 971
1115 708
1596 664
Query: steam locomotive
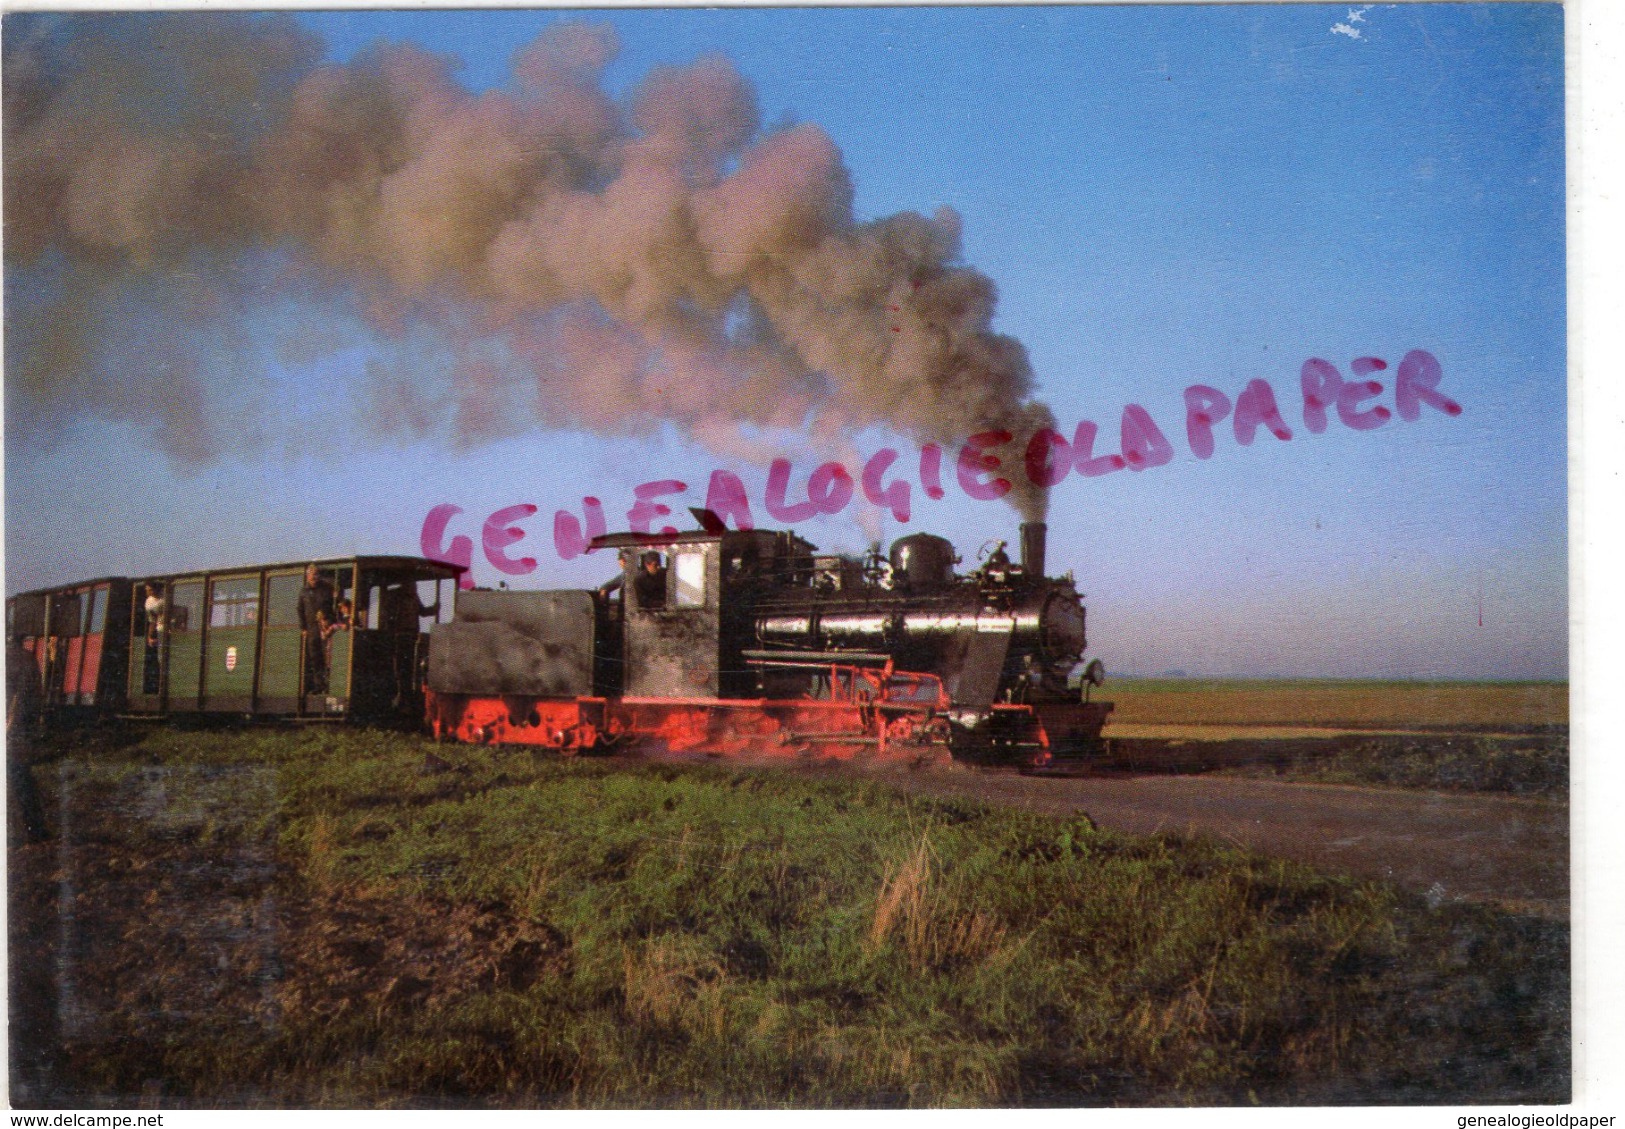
752 641
719 641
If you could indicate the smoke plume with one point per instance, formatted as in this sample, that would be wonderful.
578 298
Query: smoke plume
542 255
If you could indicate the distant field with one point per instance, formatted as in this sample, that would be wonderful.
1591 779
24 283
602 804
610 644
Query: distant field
1466 706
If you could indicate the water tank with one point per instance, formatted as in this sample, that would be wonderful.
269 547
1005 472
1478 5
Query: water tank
922 561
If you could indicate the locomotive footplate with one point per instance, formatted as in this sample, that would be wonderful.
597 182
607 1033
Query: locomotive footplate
862 711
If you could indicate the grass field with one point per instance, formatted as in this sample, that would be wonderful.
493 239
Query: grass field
1456 706
341 918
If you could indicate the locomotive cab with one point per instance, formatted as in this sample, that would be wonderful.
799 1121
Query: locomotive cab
690 643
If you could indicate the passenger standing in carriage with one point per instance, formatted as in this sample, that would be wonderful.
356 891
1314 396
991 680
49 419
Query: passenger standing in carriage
153 611
399 614
400 609
315 614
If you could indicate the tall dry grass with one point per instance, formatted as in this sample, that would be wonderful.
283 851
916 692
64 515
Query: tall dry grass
674 982
934 929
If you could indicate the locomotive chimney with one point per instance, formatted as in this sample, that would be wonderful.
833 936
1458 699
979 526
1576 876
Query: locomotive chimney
1033 534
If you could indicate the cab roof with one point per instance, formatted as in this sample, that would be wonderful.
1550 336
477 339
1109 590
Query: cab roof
443 569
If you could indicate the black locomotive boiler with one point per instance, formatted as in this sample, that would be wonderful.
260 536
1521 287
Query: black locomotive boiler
729 641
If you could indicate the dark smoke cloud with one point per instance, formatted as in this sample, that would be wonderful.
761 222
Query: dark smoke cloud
580 262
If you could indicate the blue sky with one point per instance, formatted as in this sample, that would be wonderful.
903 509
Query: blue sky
1164 197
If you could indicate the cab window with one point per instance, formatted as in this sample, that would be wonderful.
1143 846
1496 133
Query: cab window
688 572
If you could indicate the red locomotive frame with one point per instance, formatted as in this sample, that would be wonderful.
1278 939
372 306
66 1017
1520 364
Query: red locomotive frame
871 711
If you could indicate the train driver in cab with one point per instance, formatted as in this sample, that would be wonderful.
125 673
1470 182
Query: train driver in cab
650 581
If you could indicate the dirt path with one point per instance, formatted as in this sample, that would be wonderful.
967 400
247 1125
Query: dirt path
1505 850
